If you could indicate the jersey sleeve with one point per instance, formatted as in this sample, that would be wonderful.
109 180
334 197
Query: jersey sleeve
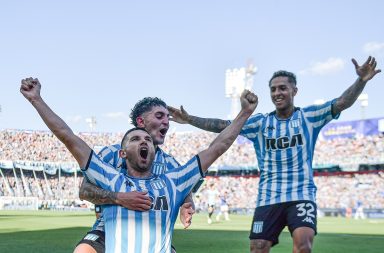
320 115
252 126
110 155
102 174
186 176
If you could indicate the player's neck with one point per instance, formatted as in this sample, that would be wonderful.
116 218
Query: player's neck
138 173
285 113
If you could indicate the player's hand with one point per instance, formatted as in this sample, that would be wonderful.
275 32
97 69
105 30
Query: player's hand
30 88
248 101
137 201
180 116
186 212
368 70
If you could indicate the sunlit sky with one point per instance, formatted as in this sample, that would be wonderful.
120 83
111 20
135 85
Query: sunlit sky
98 58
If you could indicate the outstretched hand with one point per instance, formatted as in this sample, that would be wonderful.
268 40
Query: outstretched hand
368 70
248 101
30 88
180 116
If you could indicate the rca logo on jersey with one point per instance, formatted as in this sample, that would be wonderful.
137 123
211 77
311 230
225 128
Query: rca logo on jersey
284 142
159 203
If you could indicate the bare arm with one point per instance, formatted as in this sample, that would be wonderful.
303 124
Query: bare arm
95 194
138 201
225 139
30 88
365 73
182 117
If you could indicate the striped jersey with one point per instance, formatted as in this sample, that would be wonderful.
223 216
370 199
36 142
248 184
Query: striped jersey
284 150
150 231
110 154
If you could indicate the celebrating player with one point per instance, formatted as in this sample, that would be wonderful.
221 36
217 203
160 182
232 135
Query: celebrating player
284 141
129 230
152 114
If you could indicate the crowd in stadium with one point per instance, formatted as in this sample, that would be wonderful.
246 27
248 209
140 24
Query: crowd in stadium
338 191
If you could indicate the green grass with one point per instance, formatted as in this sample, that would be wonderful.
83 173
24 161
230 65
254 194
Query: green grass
40 231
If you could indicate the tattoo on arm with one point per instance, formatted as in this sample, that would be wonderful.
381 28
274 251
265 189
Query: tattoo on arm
349 96
95 194
212 125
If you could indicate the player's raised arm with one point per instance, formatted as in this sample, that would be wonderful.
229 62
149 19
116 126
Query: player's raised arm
181 116
225 139
365 73
30 88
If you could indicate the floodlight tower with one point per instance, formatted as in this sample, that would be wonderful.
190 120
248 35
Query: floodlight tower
363 98
236 80
91 123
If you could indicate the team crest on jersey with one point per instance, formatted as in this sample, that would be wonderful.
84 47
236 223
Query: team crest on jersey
257 227
295 123
158 168
158 184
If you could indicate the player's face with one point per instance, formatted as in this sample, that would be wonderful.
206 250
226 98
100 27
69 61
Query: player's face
139 150
156 122
282 93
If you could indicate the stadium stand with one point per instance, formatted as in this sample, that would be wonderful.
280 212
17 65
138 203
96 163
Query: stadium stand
36 171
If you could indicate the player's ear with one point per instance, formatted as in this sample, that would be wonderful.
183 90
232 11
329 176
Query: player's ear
122 153
295 90
140 122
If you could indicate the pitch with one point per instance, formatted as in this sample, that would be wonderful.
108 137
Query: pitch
51 231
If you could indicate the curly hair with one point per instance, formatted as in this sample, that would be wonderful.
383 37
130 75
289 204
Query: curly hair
290 75
143 106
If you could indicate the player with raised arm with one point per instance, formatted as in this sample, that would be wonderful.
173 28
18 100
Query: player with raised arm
152 114
130 230
284 141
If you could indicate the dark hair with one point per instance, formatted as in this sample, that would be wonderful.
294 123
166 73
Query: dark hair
131 130
290 75
143 106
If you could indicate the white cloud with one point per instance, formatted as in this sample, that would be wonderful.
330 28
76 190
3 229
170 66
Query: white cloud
74 119
374 48
332 65
116 115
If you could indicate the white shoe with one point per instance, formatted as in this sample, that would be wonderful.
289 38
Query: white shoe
209 221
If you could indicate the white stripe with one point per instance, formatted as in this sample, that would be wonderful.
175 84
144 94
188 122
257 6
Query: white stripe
181 172
145 232
191 181
131 231
158 232
118 231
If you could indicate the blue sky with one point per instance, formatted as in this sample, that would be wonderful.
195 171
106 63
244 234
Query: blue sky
98 58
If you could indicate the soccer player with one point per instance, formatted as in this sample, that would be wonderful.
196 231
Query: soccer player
152 114
212 196
284 141
129 230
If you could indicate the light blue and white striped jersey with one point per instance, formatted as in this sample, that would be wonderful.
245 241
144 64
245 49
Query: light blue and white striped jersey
143 232
284 150
110 154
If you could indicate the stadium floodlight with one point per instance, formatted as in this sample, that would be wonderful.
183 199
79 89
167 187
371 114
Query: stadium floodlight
236 80
319 101
363 98
91 122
